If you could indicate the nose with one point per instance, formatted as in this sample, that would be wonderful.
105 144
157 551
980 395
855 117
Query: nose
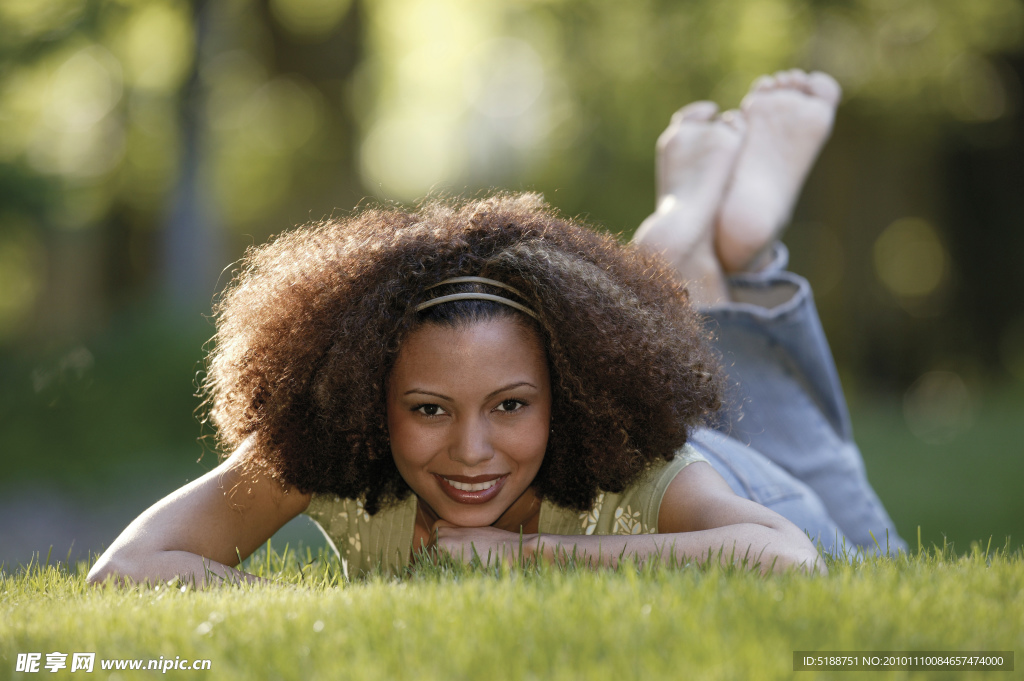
471 442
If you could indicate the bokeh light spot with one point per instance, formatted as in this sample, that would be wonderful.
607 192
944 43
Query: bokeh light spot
157 45
974 91
31 19
910 260
313 19
78 154
231 78
407 157
505 77
74 133
85 88
840 47
259 128
938 407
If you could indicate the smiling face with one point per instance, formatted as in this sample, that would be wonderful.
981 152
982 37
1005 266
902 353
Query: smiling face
469 408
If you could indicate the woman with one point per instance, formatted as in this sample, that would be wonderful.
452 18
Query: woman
488 376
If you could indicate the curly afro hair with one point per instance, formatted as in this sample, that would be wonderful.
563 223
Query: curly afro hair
312 322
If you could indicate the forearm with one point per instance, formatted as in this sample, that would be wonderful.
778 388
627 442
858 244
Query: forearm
744 544
162 566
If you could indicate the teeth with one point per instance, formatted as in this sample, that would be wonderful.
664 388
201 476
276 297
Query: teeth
465 487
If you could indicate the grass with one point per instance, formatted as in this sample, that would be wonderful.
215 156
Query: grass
449 621
125 413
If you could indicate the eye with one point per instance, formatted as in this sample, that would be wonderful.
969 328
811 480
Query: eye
429 409
511 405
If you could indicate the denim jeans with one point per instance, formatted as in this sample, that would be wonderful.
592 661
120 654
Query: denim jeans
784 438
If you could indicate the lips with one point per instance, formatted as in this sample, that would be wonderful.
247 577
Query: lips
471 496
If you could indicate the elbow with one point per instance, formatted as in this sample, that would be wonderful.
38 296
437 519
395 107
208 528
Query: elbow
109 569
100 572
809 564
801 556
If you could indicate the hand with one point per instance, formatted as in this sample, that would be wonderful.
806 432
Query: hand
498 544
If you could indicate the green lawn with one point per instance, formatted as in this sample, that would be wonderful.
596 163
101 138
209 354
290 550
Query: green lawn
547 622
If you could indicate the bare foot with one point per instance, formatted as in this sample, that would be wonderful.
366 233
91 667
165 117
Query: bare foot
695 158
789 117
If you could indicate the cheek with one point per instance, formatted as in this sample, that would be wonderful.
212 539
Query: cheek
531 443
408 445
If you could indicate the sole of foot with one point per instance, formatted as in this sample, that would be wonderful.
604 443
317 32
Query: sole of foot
695 159
789 117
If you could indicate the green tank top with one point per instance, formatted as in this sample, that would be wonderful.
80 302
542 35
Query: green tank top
363 541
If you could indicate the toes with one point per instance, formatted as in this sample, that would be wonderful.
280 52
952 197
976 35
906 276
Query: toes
793 79
735 119
816 84
695 111
781 79
763 83
825 87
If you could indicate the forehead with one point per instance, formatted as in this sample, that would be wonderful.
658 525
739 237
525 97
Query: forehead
488 351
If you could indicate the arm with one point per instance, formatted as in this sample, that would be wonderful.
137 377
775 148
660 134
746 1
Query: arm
201 529
699 515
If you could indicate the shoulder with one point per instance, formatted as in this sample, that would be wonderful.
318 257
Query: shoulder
698 498
635 510
694 489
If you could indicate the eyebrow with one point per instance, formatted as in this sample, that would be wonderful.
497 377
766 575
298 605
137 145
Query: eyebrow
510 386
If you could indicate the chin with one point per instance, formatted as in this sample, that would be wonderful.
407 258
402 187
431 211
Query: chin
464 517
483 523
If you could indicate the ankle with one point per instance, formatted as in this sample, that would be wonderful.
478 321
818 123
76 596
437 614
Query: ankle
705 280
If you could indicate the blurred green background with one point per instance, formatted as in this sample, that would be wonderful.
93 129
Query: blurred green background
144 144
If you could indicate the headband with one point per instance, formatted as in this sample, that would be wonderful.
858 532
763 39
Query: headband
472 295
